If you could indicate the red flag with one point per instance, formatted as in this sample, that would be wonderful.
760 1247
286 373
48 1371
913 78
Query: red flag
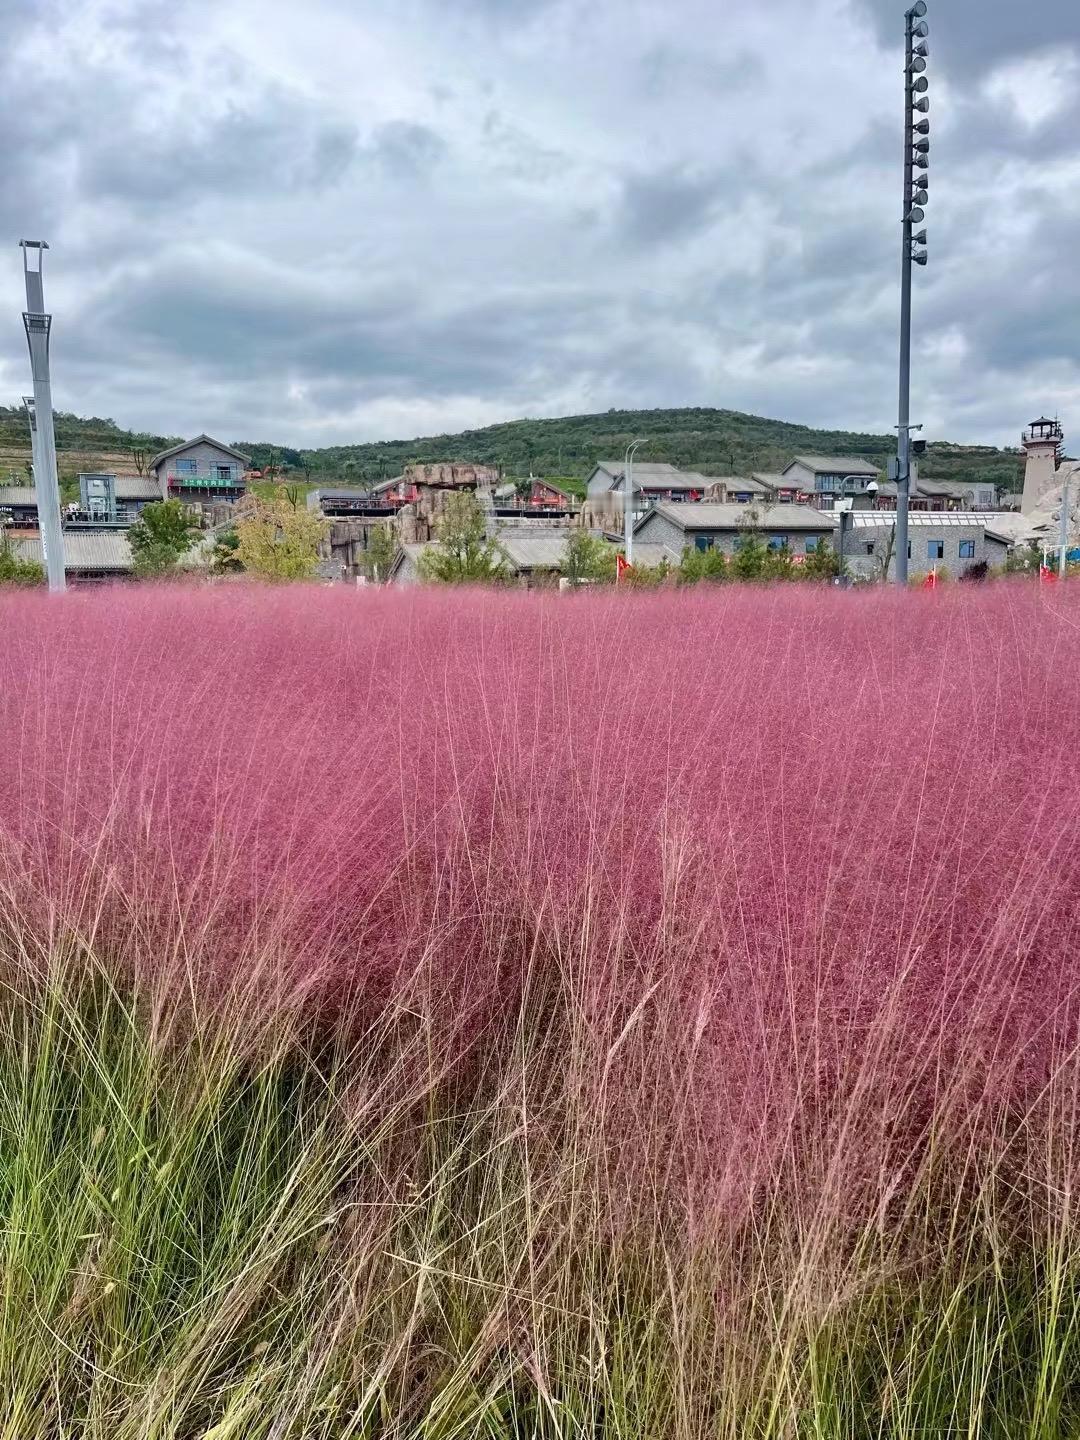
1047 576
622 567
931 581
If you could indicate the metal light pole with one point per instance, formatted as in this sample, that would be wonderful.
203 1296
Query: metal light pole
1064 527
38 327
628 498
916 195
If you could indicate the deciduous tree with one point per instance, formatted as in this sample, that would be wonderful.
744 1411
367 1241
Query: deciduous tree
279 542
463 553
161 535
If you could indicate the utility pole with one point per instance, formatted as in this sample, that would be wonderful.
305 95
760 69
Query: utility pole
1064 527
38 326
916 195
628 499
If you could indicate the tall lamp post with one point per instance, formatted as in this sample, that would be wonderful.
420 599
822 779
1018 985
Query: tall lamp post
628 498
38 326
916 197
1063 558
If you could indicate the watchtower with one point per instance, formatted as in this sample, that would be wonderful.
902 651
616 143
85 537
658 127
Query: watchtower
1042 442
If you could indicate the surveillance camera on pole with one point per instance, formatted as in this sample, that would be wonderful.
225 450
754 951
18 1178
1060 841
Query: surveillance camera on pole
916 198
38 327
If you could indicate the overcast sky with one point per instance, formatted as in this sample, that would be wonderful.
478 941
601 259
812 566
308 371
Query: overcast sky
342 220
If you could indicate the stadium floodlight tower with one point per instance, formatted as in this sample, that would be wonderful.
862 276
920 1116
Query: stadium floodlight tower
916 197
38 327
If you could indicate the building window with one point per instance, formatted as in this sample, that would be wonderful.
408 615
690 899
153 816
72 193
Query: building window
869 547
704 542
909 549
967 549
826 482
185 467
935 549
811 544
224 472
778 542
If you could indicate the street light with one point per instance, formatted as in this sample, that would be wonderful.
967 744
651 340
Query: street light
1064 527
628 498
913 252
38 326
843 509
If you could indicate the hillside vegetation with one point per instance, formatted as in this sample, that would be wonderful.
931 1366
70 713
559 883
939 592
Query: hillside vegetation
718 442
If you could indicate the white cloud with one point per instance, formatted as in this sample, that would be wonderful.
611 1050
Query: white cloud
1037 88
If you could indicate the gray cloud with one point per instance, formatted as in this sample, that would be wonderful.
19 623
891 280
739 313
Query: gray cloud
970 35
423 216
662 206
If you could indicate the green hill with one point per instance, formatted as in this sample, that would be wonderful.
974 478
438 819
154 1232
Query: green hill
717 442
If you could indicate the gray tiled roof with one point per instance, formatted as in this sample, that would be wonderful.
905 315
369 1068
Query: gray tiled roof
739 484
837 465
18 495
650 472
84 550
199 440
137 487
781 518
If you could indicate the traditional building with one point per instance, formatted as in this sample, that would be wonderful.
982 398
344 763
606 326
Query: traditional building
654 484
946 542
200 472
828 478
797 528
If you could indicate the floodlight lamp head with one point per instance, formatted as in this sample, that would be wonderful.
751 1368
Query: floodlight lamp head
920 238
917 66
922 104
916 216
921 197
922 49
918 10
921 85
921 30
922 127
920 257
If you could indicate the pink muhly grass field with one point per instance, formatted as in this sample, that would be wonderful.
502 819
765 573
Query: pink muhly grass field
792 813
767 902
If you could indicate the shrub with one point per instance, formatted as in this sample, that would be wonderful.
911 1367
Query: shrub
162 534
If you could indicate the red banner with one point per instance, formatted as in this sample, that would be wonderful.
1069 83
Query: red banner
622 568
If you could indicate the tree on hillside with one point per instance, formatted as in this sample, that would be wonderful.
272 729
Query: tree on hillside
14 570
587 560
279 542
161 535
463 553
